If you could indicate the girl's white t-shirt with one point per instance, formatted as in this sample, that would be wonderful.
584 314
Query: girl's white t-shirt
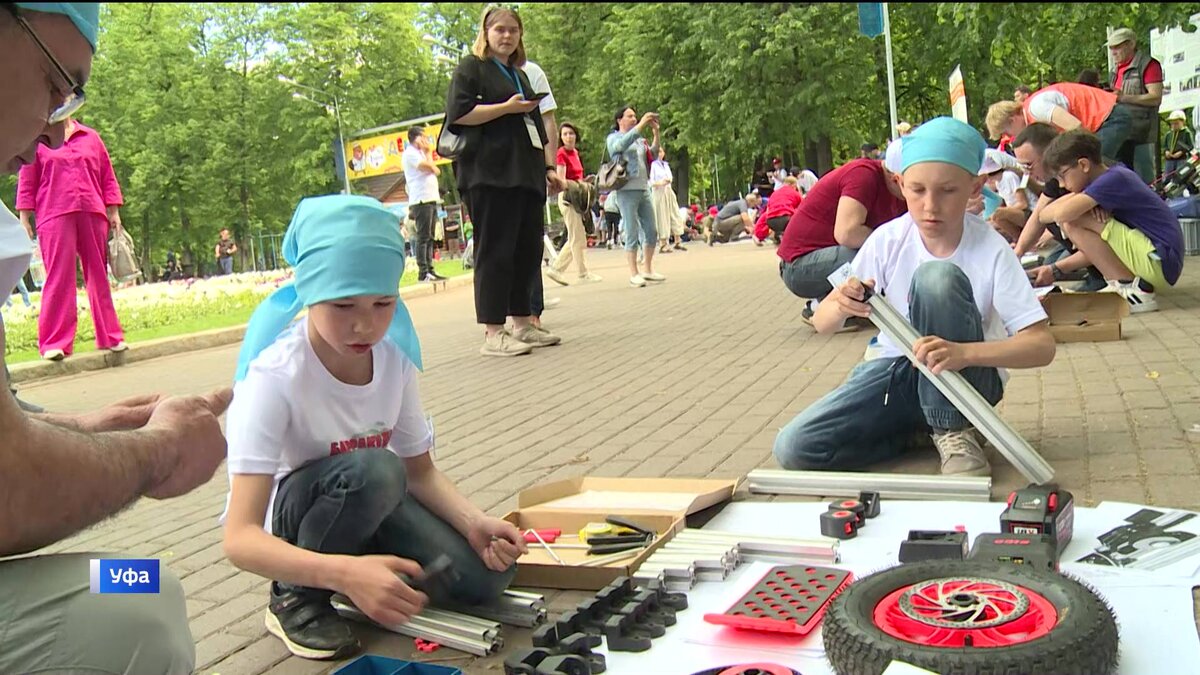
289 410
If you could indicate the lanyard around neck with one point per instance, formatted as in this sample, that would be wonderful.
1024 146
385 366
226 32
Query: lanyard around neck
511 74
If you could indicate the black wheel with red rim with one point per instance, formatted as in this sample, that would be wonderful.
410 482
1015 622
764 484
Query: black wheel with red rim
970 618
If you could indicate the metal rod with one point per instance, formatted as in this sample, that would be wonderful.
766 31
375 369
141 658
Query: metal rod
615 557
953 386
546 546
478 647
888 485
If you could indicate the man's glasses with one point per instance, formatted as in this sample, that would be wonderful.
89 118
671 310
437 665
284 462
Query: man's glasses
75 100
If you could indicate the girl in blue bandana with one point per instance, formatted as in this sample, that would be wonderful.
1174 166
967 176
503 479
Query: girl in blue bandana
959 284
332 485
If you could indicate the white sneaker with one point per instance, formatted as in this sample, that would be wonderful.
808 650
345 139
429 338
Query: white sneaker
557 277
1139 300
550 303
961 453
119 347
504 344
589 278
59 355
537 337
654 276
637 281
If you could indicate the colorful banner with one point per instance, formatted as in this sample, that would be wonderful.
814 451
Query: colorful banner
380 155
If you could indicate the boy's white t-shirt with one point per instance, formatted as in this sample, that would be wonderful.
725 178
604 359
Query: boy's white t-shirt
1009 185
289 410
1002 291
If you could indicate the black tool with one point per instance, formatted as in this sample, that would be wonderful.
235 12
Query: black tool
437 578
839 524
1040 509
870 501
1036 550
933 545
629 524
622 634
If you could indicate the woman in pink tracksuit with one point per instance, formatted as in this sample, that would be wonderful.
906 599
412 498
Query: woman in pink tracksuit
73 195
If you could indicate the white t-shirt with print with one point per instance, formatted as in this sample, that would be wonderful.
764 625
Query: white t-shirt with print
1009 185
1002 292
289 410
420 184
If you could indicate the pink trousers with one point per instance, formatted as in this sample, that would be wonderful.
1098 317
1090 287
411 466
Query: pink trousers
62 239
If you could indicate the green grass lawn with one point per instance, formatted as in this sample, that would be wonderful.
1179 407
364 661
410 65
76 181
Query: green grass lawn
446 268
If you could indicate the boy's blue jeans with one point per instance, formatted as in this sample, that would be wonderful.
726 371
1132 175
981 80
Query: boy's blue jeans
852 427
357 503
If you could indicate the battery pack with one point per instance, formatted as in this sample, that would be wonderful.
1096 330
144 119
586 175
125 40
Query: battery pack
1037 551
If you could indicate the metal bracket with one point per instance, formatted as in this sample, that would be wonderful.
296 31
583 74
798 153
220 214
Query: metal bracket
954 387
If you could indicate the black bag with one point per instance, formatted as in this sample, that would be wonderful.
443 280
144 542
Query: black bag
455 141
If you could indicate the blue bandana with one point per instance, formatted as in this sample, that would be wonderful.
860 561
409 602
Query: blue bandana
85 15
340 247
945 140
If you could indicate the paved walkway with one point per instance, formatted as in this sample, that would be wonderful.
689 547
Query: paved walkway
690 378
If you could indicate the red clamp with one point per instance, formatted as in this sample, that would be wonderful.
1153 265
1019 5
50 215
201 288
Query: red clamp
426 646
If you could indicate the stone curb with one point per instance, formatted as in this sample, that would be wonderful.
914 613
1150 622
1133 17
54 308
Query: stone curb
152 349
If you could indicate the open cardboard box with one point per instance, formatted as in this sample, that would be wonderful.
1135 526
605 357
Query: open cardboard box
661 504
1085 317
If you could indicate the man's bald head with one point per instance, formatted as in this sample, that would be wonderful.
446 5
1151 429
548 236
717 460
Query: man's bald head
30 86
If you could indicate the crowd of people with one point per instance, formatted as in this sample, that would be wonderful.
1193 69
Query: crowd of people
333 487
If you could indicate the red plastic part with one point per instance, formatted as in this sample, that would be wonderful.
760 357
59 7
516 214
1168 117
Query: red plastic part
1052 502
758 669
929 601
789 599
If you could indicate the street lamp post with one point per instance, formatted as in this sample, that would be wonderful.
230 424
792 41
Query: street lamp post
337 114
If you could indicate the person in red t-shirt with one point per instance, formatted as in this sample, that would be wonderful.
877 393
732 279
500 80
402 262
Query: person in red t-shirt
1138 82
779 210
836 217
571 168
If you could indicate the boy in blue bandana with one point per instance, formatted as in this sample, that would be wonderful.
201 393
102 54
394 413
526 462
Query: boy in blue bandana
957 281
332 485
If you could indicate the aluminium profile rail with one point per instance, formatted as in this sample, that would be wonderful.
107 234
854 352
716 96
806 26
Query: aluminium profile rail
888 485
955 387
515 608
455 632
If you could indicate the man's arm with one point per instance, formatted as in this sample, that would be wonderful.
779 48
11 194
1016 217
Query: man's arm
849 226
551 148
1067 208
428 165
1033 227
1063 119
57 481
1152 97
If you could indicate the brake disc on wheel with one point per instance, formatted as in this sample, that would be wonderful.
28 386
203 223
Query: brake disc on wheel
973 618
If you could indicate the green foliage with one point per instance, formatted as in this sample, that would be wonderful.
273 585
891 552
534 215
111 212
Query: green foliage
203 135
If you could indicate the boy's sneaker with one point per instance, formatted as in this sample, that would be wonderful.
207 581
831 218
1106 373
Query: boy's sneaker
654 276
557 277
962 454
309 626
503 344
637 281
589 278
535 336
1138 299
806 314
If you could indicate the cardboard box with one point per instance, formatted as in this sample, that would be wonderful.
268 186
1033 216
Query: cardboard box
661 504
1085 317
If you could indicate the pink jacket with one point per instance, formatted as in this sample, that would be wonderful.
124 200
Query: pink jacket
76 177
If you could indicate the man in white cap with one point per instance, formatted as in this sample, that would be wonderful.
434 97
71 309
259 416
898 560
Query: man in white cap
1138 81
1178 144
60 474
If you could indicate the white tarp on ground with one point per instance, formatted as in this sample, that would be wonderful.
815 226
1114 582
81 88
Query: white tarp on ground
1153 608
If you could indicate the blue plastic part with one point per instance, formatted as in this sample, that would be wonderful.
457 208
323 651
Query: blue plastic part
369 664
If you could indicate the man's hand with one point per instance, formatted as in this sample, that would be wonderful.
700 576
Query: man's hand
850 296
124 415
194 445
941 355
374 585
498 543
554 183
1041 276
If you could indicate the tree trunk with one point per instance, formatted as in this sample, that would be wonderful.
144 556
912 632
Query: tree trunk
682 173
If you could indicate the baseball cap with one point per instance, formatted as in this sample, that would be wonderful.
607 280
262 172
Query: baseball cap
1176 115
1121 35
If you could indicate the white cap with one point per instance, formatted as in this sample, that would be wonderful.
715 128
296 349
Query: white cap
892 160
1176 115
